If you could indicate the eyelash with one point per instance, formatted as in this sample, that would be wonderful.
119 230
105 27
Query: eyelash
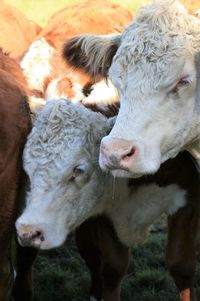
181 83
75 173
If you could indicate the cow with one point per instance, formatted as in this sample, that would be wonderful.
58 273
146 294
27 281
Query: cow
17 32
43 65
90 16
154 66
15 124
7 63
67 187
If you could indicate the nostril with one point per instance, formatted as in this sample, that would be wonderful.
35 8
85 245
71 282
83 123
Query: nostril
38 235
129 154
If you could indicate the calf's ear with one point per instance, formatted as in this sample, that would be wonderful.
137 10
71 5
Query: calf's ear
92 54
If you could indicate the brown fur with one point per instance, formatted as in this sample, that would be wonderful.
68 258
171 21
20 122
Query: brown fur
18 32
10 65
15 125
95 17
91 16
106 258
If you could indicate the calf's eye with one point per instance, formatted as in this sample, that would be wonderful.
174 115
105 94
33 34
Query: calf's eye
184 81
77 171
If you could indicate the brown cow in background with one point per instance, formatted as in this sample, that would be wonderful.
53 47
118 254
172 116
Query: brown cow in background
17 32
15 125
90 16
54 78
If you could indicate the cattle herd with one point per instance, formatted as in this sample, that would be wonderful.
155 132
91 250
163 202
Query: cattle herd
100 134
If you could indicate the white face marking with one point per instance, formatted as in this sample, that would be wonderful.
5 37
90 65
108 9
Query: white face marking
159 126
61 160
157 80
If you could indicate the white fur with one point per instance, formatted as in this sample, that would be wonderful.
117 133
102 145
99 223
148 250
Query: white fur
36 104
131 216
53 93
103 93
65 136
36 65
158 122
197 13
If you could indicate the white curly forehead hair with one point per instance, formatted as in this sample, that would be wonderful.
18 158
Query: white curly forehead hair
60 126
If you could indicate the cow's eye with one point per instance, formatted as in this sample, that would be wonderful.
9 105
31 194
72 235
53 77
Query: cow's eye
184 81
76 172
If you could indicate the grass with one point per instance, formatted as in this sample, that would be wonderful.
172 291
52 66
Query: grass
41 10
62 275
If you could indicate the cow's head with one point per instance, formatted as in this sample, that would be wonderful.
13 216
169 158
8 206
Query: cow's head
153 66
61 160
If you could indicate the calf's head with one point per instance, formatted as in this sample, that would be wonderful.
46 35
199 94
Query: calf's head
61 160
153 64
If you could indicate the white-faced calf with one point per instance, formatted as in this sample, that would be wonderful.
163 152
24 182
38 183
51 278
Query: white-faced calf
68 187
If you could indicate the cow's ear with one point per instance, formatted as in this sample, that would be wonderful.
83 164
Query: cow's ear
92 54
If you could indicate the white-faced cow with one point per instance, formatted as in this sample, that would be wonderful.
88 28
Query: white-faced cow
68 186
153 64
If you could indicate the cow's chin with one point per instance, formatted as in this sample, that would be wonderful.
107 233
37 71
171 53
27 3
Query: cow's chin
148 167
52 241
49 244
119 173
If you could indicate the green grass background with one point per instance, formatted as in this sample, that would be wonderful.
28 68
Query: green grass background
61 275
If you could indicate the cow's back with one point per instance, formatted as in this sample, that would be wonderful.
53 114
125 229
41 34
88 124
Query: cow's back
17 32
94 17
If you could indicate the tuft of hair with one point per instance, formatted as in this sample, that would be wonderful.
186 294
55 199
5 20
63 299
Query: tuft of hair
92 53
172 17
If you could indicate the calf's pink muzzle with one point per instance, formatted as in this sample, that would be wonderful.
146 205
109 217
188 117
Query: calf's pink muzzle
29 235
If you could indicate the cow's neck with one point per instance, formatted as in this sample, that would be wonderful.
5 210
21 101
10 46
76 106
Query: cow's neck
133 204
